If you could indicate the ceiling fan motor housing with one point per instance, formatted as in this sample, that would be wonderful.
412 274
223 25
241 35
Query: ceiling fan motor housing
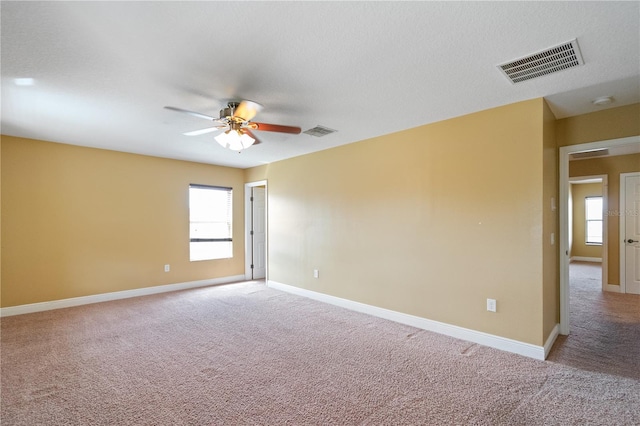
229 112
226 113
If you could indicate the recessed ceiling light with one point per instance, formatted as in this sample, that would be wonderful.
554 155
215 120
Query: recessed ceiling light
602 101
24 81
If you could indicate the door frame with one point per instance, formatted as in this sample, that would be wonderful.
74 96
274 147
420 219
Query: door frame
248 246
563 180
603 180
622 217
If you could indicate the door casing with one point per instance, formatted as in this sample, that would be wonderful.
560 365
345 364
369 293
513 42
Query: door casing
248 248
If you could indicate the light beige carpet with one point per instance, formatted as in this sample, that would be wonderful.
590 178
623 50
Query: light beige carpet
247 354
605 326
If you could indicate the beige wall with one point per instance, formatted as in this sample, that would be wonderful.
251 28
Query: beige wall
612 167
82 221
578 245
603 125
256 174
430 221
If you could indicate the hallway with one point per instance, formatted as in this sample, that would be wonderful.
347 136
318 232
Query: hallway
605 327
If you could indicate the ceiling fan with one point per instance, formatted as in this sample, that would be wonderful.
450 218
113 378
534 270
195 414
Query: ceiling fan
235 121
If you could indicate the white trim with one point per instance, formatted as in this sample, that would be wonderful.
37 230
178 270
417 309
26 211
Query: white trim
563 181
622 225
502 343
586 259
247 231
612 288
116 295
551 340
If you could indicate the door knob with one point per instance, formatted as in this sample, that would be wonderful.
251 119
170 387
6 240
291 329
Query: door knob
630 241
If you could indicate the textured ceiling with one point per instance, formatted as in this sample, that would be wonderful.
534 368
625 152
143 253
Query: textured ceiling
104 70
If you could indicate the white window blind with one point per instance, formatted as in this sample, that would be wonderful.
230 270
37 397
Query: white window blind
210 222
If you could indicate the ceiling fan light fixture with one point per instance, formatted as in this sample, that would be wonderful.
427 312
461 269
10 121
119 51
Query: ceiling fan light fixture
234 140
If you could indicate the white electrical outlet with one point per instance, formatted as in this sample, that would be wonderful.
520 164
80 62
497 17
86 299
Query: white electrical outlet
316 273
167 268
491 305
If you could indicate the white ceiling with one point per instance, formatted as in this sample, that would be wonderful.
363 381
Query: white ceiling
104 70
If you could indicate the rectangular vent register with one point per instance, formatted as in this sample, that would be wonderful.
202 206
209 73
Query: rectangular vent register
319 131
549 61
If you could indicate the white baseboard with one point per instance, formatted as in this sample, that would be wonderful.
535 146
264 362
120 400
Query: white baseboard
612 288
585 259
551 340
105 297
509 345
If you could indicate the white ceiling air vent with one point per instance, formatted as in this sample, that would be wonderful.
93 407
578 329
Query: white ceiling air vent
590 154
319 131
548 61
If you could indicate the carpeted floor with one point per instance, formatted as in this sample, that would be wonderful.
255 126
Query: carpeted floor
247 354
605 327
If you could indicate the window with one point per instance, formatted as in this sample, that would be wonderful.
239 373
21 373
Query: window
593 215
210 230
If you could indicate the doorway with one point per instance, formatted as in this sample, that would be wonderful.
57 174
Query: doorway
584 247
564 154
256 230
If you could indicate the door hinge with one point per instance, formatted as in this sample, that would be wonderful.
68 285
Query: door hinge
251 232
251 198
251 266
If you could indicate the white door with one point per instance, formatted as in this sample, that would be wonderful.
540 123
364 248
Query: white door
632 232
258 218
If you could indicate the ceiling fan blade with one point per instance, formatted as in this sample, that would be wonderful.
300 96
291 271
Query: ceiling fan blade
264 127
250 133
203 131
247 110
195 114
